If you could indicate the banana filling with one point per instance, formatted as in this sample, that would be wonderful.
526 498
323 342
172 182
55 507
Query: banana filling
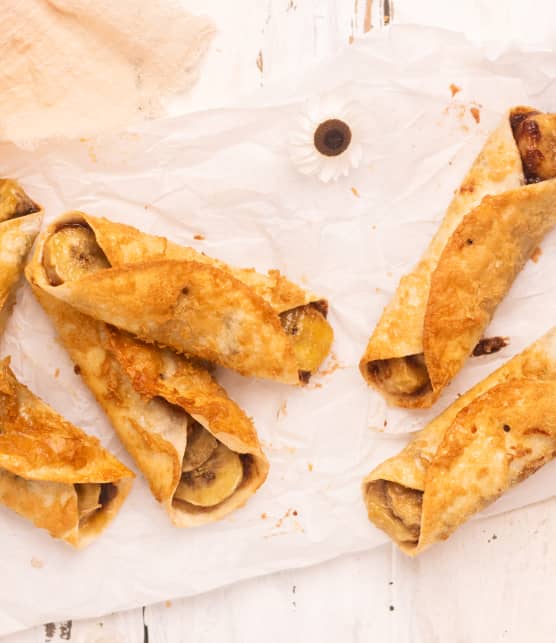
535 136
211 472
93 497
14 202
71 253
401 375
312 336
406 505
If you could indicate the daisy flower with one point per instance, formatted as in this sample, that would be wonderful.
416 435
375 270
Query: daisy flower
327 138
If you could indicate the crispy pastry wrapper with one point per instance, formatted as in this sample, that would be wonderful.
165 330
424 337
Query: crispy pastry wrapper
440 310
181 298
491 438
51 472
146 392
20 221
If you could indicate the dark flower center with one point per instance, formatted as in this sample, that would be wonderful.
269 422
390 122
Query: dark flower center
332 137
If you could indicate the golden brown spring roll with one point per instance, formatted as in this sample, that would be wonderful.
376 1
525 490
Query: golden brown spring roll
491 228
20 221
258 325
51 472
195 446
491 438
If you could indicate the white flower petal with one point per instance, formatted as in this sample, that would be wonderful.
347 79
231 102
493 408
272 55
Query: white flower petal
356 155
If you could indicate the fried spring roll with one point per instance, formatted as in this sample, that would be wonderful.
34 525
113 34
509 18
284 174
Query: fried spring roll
491 228
51 472
258 325
197 449
488 440
20 220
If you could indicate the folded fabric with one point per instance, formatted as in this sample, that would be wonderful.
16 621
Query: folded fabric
491 228
488 440
258 325
20 221
51 472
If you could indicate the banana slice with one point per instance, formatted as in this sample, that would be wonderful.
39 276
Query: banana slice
536 141
88 499
72 252
200 446
402 375
406 504
212 482
13 201
312 335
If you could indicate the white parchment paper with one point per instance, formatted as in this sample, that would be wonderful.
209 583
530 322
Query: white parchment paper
225 176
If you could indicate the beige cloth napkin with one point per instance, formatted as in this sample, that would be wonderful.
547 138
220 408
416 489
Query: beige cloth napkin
78 67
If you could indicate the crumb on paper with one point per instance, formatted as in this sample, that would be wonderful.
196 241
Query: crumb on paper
56 373
355 192
454 89
385 423
460 111
295 524
351 39
291 5
281 520
168 603
310 466
77 369
199 236
333 365
378 290
260 63
264 516
537 252
37 563
389 274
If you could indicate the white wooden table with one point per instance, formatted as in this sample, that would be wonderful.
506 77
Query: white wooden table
380 595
